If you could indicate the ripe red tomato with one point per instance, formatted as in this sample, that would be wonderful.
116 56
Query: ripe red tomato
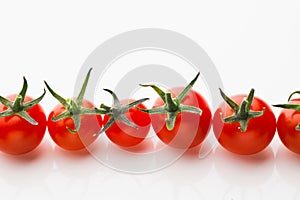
258 135
127 136
190 128
18 136
287 122
90 124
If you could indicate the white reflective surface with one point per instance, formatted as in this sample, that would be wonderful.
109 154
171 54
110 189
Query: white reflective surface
253 44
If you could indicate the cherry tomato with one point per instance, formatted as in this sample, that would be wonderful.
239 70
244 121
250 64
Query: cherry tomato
259 132
90 124
73 123
124 135
18 136
190 129
287 122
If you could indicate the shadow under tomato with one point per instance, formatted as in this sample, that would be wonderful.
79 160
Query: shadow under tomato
73 169
194 169
244 170
29 170
29 157
128 160
186 173
76 164
150 156
143 147
199 152
287 166
71 154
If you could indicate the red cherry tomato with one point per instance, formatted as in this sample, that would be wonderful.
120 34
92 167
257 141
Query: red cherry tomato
258 135
18 136
90 124
190 129
287 122
127 136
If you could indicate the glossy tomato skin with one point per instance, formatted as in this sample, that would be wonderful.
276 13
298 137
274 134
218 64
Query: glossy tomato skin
259 133
90 124
190 129
286 127
124 135
17 136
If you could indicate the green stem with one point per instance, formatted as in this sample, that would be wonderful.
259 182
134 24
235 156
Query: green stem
296 92
18 107
18 104
117 112
80 96
74 107
103 106
242 114
170 122
157 90
234 106
171 105
289 106
187 89
243 110
295 107
24 89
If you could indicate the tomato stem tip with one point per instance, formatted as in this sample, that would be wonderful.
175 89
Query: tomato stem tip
295 107
242 113
74 108
172 106
19 107
116 112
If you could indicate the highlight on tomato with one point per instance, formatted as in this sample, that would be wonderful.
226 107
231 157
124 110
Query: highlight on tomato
245 125
288 123
180 117
22 122
124 124
72 124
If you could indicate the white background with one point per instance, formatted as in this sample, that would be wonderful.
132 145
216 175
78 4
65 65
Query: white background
252 43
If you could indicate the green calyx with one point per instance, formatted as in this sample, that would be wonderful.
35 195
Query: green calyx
291 106
18 107
173 106
74 107
116 112
242 113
